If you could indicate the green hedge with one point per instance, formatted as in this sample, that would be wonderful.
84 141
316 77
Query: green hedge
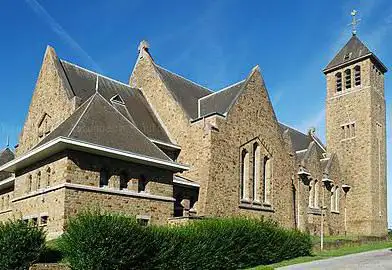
94 240
227 244
20 244
103 241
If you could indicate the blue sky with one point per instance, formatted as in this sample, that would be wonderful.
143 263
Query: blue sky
214 43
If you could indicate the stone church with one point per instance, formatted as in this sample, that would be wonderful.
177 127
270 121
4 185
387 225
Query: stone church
167 150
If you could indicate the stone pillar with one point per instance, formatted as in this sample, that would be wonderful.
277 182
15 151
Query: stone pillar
133 184
114 182
193 210
186 203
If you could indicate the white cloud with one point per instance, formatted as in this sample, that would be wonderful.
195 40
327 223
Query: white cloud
59 30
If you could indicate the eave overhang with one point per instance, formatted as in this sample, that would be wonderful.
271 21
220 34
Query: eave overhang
382 67
62 143
185 182
7 183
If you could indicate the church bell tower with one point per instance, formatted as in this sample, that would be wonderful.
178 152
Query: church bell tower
356 133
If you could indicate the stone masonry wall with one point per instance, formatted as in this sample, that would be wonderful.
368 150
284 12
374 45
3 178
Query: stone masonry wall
250 119
158 211
378 157
50 97
194 139
356 154
84 169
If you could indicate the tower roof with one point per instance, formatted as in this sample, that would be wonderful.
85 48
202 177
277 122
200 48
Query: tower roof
353 51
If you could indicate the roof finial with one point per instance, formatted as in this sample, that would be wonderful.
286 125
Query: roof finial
143 46
8 141
354 22
96 84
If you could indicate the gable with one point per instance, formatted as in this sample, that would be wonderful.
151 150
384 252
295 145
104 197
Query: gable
50 104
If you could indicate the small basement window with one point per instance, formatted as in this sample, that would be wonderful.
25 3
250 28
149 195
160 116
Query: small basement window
34 221
44 220
143 220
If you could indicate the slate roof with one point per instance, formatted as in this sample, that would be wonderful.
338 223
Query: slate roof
98 122
6 156
135 107
220 101
185 92
299 140
355 49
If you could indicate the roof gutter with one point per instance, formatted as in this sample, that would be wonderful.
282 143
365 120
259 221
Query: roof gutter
61 143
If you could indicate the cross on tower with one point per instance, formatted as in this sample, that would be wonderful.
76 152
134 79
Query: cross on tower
354 22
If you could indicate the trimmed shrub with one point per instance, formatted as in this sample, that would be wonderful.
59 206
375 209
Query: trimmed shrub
20 244
94 240
104 241
227 244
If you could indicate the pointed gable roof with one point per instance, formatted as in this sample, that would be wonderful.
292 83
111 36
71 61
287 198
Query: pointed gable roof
220 101
129 101
352 51
186 92
98 122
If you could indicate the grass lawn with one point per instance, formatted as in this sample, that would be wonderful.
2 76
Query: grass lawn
328 254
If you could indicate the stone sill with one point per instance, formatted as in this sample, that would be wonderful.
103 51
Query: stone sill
96 189
5 211
186 217
347 92
314 211
348 139
335 212
257 207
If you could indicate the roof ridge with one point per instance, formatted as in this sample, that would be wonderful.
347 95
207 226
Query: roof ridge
133 125
293 129
182 77
96 73
223 89
83 113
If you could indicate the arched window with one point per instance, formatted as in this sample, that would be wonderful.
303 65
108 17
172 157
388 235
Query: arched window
316 194
311 193
256 172
357 75
347 78
7 201
333 199
337 199
244 174
39 180
267 175
29 183
48 172
338 78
